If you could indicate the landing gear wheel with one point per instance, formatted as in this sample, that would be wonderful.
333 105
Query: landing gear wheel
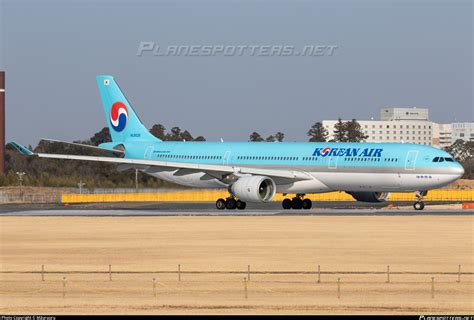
286 204
241 205
231 203
297 203
220 204
419 205
307 204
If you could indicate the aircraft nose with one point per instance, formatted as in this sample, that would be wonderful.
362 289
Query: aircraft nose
457 170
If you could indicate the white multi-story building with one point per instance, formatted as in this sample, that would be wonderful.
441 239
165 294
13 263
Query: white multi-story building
409 125
420 132
442 134
463 131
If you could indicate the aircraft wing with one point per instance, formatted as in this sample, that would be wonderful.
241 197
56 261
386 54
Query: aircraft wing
117 151
218 171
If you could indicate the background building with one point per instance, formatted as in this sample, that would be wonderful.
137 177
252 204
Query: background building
442 134
410 125
463 131
391 114
396 125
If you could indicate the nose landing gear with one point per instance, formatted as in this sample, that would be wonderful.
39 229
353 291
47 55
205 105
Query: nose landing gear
297 203
419 204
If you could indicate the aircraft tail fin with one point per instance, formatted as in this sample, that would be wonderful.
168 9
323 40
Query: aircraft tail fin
123 122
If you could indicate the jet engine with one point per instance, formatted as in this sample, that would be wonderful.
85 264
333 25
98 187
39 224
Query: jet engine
370 196
254 189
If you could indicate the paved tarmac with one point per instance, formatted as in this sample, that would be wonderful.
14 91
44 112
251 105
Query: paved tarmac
208 209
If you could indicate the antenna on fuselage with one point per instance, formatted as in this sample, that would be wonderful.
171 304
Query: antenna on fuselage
222 140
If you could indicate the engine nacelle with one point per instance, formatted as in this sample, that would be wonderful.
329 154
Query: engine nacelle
370 196
254 189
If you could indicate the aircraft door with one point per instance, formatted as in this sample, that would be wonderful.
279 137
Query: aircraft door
411 160
148 152
225 159
332 162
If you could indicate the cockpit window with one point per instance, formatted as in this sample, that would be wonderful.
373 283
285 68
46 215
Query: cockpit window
442 159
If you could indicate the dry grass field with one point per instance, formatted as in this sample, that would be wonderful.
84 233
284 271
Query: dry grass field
151 246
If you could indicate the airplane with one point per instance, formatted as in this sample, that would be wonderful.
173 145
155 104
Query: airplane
256 171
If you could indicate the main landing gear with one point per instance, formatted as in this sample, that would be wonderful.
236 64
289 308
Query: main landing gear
231 203
419 204
297 203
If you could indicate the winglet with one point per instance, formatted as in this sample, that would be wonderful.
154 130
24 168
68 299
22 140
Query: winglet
21 149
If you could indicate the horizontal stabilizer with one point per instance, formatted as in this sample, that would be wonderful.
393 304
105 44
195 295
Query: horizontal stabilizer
21 149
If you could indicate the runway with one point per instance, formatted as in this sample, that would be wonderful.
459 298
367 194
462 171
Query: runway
208 209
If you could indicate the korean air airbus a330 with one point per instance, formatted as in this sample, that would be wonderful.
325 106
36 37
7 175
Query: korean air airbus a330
255 172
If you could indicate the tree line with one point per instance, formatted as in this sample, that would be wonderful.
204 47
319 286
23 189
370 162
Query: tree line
463 151
344 131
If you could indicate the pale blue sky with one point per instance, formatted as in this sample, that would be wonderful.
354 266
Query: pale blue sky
391 53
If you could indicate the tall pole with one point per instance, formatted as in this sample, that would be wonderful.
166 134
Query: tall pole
2 121
81 184
20 177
